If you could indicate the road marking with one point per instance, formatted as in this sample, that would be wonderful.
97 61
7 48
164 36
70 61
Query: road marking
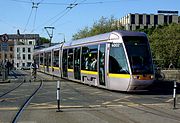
9 108
170 100
105 103
157 104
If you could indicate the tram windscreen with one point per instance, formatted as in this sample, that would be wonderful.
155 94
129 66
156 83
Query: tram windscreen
139 55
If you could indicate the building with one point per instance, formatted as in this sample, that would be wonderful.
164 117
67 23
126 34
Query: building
144 21
20 49
23 50
8 53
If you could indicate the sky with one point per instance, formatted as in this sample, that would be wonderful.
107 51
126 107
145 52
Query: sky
69 16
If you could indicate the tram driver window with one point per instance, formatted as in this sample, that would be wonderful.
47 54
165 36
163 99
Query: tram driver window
117 60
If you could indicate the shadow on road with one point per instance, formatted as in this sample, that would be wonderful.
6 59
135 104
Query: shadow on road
162 88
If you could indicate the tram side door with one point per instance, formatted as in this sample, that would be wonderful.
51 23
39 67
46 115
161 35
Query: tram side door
64 63
77 73
102 64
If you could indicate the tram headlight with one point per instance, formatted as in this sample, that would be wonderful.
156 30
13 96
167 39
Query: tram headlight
152 77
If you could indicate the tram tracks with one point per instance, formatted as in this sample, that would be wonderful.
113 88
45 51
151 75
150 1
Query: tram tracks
149 109
9 91
16 100
101 111
25 104
154 111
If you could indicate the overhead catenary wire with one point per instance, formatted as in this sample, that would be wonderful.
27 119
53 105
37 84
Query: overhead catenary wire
28 20
71 6
34 19
61 14
58 3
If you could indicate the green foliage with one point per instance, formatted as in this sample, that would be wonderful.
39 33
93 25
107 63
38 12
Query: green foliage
164 40
165 45
102 26
43 40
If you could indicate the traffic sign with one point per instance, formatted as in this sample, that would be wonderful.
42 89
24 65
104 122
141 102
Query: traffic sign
4 38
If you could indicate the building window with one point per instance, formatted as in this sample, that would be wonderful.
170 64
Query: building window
5 55
18 49
11 48
18 56
132 19
29 50
147 19
23 49
30 42
23 64
11 56
140 19
170 19
24 56
137 27
155 19
29 56
165 19
145 27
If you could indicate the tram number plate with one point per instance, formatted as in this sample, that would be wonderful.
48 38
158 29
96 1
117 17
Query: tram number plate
115 45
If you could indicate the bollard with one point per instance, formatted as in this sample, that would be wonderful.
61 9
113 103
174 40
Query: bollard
58 96
174 95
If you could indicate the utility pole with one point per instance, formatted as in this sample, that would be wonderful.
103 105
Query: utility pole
49 31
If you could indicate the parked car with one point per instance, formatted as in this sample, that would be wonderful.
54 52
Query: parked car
26 68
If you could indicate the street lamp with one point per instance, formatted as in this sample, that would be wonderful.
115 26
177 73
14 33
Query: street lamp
63 36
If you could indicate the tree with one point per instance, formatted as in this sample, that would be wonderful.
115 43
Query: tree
102 26
43 40
165 45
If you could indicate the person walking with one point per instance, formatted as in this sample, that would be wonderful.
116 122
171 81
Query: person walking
34 68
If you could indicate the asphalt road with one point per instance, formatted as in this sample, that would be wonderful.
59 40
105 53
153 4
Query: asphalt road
85 104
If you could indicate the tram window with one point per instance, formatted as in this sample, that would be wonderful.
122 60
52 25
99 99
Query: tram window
41 58
37 58
48 59
89 58
139 54
56 59
70 59
117 60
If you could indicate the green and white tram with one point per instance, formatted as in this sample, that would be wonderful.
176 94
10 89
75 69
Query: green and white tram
119 60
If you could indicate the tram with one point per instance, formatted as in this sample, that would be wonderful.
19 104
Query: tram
118 60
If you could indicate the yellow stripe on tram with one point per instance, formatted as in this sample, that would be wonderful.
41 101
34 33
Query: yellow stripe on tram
56 68
70 70
126 76
89 72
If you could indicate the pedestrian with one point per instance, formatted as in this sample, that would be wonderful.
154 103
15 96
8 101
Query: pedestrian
34 68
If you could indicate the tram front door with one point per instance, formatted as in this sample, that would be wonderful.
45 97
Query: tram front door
77 73
64 63
102 64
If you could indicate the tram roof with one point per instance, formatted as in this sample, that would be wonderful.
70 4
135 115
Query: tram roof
103 37
55 47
